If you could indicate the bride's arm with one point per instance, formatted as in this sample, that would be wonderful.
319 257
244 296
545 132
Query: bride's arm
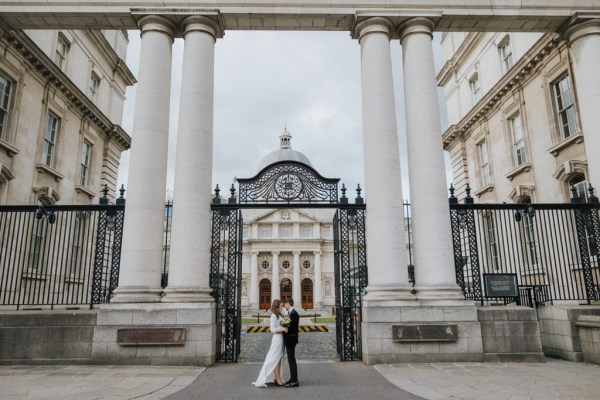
275 328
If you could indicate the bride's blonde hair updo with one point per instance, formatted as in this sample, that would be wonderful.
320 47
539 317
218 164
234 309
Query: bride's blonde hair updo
275 307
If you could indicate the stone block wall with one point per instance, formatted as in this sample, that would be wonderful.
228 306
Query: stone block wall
510 334
589 336
46 337
560 337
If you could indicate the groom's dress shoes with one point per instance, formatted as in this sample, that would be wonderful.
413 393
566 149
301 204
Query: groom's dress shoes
292 384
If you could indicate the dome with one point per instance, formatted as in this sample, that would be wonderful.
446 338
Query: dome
284 153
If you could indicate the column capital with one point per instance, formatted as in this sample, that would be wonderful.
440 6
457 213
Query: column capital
416 25
157 23
201 23
317 252
373 25
254 252
582 29
275 253
296 252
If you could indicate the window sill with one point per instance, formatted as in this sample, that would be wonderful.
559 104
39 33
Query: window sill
84 190
525 167
32 274
560 146
50 171
73 279
485 189
10 150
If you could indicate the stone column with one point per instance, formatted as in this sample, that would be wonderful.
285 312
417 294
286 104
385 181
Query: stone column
584 42
318 292
254 280
189 266
434 272
386 244
142 254
275 285
297 284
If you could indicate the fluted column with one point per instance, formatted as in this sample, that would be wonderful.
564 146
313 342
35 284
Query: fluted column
275 285
386 245
432 237
254 280
189 266
318 292
142 254
296 294
584 42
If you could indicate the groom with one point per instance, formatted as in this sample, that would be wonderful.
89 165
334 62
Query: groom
291 339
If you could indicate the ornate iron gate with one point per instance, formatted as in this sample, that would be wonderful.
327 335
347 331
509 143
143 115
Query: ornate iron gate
226 279
350 265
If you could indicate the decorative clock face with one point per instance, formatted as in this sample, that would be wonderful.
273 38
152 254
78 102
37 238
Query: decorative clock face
288 186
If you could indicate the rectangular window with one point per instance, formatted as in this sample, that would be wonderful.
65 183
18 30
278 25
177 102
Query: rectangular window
94 85
5 87
265 232
78 240
492 239
475 88
565 108
86 150
52 128
518 141
286 232
327 232
506 55
484 164
62 47
306 231
35 248
246 232
530 242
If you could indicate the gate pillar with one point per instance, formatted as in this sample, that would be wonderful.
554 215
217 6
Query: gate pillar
386 244
141 263
432 236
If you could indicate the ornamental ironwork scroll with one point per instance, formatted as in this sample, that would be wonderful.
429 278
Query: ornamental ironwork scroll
288 182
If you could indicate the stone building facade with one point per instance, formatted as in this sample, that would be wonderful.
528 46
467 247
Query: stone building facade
515 133
61 107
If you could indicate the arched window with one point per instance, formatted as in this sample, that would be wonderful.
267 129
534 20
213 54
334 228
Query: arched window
286 289
307 294
264 294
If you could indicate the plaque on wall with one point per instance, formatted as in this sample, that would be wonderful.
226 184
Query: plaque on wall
425 333
151 336
501 285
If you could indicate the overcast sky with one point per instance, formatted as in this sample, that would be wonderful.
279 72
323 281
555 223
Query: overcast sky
309 81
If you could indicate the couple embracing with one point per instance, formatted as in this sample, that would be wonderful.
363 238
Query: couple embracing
284 331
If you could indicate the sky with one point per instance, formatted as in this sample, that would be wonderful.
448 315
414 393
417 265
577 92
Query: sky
308 82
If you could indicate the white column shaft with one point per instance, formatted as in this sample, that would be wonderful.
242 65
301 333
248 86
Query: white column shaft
386 249
296 294
275 285
585 50
432 244
142 255
318 293
190 238
254 280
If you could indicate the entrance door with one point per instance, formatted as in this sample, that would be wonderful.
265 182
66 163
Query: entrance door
307 294
264 294
286 289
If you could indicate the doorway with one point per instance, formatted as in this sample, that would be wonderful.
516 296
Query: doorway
286 289
264 295
307 294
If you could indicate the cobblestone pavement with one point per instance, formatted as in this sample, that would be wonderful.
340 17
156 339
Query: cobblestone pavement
311 346
552 380
83 382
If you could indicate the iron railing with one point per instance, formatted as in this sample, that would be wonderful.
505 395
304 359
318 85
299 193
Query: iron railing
59 255
551 248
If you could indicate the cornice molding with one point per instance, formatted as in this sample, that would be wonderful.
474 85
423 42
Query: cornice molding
470 42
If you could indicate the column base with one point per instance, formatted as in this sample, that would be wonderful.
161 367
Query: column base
389 293
136 295
381 347
197 320
440 295
186 295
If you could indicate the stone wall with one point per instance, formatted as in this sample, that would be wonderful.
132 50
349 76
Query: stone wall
46 337
510 334
589 336
560 337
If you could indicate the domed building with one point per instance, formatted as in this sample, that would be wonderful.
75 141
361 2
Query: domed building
287 252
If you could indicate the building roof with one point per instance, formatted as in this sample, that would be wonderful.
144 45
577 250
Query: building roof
284 153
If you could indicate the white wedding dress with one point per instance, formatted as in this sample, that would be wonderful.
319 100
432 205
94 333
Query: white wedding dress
274 355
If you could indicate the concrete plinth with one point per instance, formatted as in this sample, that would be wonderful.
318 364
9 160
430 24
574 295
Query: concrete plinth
380 348
196 318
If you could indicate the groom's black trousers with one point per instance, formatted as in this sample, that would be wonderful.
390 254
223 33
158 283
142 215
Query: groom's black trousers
291 353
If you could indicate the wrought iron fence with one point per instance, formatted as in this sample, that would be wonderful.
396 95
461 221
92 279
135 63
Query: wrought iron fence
552 249
59 255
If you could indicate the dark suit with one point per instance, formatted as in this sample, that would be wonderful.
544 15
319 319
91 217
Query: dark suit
291 339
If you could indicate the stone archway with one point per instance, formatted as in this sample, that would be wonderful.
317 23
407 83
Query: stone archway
286 290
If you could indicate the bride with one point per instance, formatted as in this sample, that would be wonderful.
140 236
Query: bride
272 364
